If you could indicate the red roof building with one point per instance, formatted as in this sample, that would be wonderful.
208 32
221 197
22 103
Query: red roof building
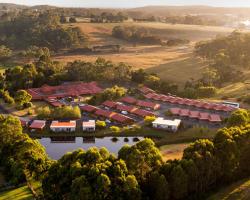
65 90
175 111
125 108
129 100
151 95
122 119
146 90
184 113
38 124
109 104
89 108
142 113
214 118
203 116
194 114
104 113
146 104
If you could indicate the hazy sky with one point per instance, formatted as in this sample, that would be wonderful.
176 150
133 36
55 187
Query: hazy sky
130 3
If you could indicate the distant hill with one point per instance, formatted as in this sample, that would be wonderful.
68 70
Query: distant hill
10 6
189 10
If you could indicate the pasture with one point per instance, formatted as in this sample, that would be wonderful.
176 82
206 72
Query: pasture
175 64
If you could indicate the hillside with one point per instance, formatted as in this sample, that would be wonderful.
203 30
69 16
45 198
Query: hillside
188 10
237 191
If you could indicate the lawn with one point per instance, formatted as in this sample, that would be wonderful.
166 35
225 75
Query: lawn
22 193
236 191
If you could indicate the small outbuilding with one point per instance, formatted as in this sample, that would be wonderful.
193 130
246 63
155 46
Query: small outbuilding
37 125
169 125
57 126
88 126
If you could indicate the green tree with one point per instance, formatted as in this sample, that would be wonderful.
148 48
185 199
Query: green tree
238 117
141 158
22 97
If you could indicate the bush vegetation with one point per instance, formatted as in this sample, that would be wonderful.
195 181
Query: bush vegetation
64 112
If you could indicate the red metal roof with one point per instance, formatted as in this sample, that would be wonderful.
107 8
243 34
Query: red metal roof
142 113
199 104
129 100
125 108
151 95
204 116
64 90
38 124
110 104
184 112
104 113
88 108
194 114
121 118
57 124
175 111
214 118
147 104
146 90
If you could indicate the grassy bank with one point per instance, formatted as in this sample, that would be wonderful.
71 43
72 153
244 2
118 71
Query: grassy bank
22 193
237 191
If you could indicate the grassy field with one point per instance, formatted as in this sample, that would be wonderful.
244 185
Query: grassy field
171 63
173 151
236 191
22 193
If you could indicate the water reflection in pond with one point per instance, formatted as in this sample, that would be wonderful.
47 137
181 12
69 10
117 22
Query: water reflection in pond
56 147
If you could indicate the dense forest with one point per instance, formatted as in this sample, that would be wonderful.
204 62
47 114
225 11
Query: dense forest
41 29
138 172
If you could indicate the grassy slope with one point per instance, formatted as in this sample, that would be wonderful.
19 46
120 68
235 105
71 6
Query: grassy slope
22 193
236 191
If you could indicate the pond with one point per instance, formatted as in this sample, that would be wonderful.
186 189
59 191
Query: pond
56 147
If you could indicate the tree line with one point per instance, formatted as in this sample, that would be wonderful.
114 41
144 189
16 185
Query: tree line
135 35
194 20
108 17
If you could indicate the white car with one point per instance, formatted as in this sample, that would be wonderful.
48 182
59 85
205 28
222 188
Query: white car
124 112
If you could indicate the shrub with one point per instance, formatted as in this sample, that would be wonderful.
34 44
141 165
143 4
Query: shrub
100 124
168 113
206 91
149 119
6 97
115 129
